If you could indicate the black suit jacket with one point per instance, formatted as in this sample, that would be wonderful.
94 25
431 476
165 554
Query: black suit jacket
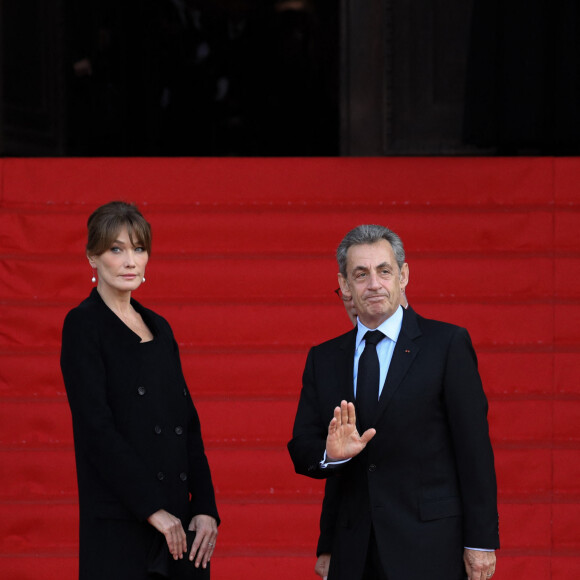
426 481
137 437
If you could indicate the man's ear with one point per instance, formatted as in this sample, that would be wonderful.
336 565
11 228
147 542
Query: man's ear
343 283
404 275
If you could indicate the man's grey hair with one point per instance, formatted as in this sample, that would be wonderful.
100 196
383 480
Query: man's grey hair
369 234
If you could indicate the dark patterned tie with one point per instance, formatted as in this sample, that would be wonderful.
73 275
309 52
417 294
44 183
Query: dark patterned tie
367 382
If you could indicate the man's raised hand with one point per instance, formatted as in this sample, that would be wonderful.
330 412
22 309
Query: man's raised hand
343 440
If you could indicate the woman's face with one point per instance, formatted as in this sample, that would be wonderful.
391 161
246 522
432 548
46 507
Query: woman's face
121 268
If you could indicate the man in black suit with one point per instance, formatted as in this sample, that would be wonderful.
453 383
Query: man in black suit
328 514
413 471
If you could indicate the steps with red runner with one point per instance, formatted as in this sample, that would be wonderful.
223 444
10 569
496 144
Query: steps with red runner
249 243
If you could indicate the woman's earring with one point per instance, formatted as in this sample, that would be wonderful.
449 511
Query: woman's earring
143 278
94 278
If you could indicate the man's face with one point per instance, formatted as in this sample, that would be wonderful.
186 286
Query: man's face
374 281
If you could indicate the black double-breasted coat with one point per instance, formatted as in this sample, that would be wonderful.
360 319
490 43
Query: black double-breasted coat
137 438
426 482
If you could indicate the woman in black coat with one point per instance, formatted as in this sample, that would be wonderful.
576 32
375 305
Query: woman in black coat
143 476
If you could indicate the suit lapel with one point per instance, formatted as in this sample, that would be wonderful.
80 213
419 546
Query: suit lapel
403 356
345 364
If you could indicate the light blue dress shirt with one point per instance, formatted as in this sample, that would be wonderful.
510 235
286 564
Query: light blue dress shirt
391 329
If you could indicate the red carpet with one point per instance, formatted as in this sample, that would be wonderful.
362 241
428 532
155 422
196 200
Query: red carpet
248 243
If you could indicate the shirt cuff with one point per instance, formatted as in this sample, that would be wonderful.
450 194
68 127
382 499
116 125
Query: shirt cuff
325 464
480 549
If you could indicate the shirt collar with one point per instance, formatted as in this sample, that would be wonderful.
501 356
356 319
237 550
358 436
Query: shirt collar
391 327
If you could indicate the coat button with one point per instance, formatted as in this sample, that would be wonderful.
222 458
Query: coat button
141 390
372 467
161 476
178 430
183 476
158 429
184 392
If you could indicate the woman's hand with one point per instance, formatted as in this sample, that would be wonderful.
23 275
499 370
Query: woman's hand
171 528
206 532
